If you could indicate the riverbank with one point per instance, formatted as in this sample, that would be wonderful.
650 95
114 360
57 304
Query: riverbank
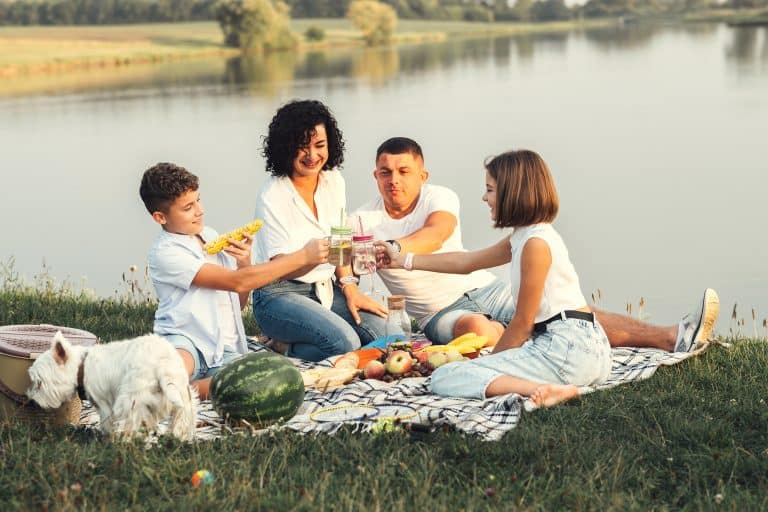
691 437
28 51
735 17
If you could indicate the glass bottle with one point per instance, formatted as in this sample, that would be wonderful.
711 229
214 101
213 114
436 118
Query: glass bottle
340 250
398 325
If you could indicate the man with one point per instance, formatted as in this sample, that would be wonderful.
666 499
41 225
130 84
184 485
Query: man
422 218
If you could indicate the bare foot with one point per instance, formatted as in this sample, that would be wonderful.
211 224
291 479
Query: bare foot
548 395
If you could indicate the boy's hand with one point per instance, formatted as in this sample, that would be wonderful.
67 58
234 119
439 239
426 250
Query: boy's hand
240 250
316 251
386 256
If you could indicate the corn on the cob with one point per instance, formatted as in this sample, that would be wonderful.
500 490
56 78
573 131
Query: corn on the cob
237 234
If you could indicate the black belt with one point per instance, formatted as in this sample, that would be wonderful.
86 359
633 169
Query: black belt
540 327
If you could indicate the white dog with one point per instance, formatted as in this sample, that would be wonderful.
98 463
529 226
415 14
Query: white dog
132 383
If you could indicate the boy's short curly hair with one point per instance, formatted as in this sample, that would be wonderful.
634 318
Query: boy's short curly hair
292 128
163 183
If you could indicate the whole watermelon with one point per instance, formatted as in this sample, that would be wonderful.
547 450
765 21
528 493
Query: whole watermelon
260 387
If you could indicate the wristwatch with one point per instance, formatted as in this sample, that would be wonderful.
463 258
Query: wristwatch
395 244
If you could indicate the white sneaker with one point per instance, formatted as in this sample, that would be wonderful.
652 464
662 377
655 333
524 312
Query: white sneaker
696 327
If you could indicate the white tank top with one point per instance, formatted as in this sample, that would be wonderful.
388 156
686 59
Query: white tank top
561 287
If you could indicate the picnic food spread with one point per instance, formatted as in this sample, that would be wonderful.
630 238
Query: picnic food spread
260 387
222 241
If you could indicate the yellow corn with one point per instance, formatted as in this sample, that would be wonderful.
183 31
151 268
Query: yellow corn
237 234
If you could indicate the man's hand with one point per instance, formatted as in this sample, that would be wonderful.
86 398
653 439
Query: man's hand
316 251
357 301
387 256
240 250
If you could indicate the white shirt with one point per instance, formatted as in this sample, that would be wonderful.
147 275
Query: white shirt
561 287
426 292
186 309
289 223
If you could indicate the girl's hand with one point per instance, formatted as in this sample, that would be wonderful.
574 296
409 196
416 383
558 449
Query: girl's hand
240 250
386 256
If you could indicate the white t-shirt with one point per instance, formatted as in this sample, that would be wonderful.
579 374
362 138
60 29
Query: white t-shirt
426 292
289 223
189 310
561 287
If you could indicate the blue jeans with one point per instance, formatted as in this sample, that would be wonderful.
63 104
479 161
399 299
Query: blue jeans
571 351
201 369
289 311
494 300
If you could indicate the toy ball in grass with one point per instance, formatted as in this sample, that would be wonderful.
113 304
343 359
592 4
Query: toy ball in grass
202 477
261 388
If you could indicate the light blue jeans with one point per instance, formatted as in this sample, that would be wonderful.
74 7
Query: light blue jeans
494 300
571 351
289 311
201 369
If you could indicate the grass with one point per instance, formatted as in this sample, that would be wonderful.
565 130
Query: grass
692 437
40 49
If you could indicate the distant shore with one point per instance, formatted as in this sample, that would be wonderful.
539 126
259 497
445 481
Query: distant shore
59 49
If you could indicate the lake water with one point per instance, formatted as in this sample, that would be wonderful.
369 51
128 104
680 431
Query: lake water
656 137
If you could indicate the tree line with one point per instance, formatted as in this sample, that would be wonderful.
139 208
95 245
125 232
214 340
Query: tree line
100 12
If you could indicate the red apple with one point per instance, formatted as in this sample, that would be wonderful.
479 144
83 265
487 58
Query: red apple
422 357
374 369
399 362
437 359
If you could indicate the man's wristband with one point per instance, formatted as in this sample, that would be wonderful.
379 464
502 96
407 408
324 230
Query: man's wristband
394 244
408 263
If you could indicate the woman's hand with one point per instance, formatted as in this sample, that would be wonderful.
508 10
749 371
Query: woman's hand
387 256
240 250
316 251
357 301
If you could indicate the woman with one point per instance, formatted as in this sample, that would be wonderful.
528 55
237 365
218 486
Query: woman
303 196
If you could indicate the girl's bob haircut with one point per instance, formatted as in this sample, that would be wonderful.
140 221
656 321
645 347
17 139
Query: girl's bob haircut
525 190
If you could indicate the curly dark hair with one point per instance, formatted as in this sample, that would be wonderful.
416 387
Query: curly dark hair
162 183
292 128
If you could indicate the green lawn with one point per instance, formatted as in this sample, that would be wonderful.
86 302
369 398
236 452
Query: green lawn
695 436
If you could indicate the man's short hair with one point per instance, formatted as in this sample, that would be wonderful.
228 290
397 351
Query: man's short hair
398 146
163 183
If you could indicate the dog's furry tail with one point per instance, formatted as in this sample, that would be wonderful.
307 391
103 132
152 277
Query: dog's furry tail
185 401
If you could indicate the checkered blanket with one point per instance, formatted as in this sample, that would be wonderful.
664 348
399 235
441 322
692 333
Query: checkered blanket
370 405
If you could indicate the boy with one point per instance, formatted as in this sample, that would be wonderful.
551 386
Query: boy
201 295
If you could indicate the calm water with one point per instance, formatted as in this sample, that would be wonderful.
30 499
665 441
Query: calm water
656 136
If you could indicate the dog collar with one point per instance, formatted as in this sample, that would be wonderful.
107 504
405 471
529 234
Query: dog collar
80 371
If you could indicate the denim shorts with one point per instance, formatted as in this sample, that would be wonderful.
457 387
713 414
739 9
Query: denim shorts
494 300
570 351
201 369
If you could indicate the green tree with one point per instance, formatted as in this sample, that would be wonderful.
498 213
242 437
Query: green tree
377 21
255 24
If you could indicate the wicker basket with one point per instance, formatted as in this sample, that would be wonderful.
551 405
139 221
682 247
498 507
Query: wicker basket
19 347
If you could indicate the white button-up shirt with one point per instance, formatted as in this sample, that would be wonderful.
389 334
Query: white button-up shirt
289 223
184 308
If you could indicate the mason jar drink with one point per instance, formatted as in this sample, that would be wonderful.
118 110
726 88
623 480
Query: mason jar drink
340 250
363 255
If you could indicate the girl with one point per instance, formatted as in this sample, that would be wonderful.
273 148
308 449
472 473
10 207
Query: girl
301 199
553 343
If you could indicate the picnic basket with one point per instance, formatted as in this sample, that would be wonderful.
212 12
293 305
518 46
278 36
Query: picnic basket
20 345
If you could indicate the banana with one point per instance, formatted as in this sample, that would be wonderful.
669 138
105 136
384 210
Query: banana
326 379
461 339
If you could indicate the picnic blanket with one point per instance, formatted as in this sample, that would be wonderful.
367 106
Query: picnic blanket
368 405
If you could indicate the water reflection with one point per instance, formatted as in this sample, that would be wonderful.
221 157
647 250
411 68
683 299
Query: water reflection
266 75
748 44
